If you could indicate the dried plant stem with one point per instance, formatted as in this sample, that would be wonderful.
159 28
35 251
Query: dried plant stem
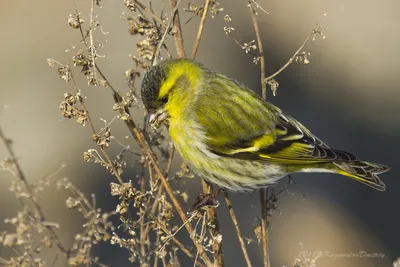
170 159
176 204
92 50
200 31
264 225
161 42
160 188
143 236
174 239
177 30
291 59
142 6
91 125
264 218
21 176
236 224
215 231
157 244
261 52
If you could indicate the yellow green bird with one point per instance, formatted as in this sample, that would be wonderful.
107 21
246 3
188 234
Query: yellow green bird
230 136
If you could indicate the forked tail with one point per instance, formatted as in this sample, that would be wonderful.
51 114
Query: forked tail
364 172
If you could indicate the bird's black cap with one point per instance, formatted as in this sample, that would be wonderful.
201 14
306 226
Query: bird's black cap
151 84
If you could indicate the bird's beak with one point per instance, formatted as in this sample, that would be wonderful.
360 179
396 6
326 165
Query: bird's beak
158 118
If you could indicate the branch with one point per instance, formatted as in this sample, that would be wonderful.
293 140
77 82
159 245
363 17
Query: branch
176 241
143 236
21 176
264 224
142 6
82 102
236 224
261 53
200 31
161 188
92 50
213 221
161 42
313 32
264 229
178 31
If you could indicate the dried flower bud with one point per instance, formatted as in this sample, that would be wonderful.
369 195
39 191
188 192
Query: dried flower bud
228 30
75 21
131 5
65 73
227 18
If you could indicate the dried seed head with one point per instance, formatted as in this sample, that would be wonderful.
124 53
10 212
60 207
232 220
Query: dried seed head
75 20
228 30
131 5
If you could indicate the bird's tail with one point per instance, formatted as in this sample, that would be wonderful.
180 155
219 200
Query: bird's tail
364 172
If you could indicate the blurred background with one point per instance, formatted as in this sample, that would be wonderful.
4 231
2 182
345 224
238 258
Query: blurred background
348 96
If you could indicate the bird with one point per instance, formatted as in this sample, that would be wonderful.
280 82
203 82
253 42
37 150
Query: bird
230 136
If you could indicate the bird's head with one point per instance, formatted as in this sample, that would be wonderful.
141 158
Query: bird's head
166 87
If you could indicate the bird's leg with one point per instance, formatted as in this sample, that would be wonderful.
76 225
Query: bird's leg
207 200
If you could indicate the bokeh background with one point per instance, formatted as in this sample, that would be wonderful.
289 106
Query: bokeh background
349 96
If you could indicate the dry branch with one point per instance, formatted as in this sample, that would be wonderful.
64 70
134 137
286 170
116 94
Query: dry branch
200 31
214 227
236 224
264 229
260 52
177 30
21 176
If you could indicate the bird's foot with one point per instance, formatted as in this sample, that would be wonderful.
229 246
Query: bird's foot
207 200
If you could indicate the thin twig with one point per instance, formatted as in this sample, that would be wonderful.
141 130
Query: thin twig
236 224
81 101
291 59
174 239
143 236
261 53
160 188
91 125
177 30
200 31
161 42
151 176
264 225
165 242
80 25
215 231
170 159
21 176
92 50
258 6
142 6
264 229
157 244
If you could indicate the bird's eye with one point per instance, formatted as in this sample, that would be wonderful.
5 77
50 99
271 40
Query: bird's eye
164 100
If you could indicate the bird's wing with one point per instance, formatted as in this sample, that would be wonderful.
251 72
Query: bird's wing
230 115
238 123
289 143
